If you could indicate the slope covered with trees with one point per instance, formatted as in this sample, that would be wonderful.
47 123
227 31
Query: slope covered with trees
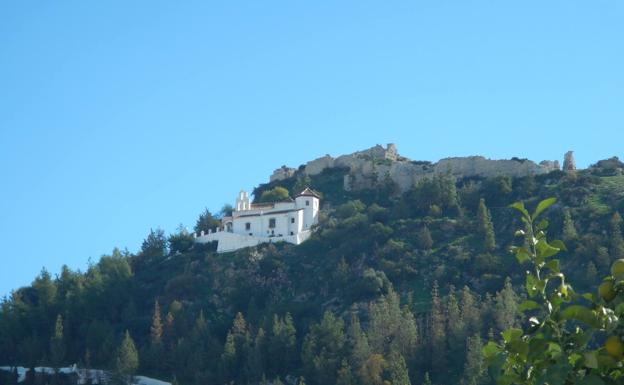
391 288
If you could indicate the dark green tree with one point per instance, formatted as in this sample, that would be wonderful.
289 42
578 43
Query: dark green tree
569 230
283 345
358 344
485 227
155 245
425 241
455 326
323 350
156 330
474 367
392 328
469 308
57 344
206 221
615 233
345 374
127 359
181 241
397 369
236 351
437 333
276 194
506 307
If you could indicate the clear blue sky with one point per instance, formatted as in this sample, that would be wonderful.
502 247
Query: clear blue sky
119 116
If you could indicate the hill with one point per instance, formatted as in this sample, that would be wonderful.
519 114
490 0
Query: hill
398 284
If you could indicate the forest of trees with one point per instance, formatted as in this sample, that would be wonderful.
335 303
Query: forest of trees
391 289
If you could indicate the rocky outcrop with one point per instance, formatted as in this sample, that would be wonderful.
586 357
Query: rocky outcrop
378 164
282 173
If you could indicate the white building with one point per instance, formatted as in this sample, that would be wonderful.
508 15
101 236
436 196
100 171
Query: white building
252 224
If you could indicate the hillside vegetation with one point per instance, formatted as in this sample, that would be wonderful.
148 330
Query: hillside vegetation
391 288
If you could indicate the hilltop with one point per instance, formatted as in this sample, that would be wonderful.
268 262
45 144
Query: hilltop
367 166
398 282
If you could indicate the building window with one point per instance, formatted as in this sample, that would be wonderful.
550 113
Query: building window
292 220
307 203
271 223
291 233
247 226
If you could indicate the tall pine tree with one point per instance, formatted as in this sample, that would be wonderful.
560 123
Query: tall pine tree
437 333
57 344
485 227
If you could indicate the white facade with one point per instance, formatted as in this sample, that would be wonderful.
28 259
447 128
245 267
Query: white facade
251 224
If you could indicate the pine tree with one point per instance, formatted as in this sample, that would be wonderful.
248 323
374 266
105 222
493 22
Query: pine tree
486 229
437 335
57 344
236 351
282 344
345 374
258 356
425 241
156 330
127 360
506 307
569 230
426 380
323 350
474 367
591 273
469 311
454 320
398 369
371 372
358 343
391 327
616 241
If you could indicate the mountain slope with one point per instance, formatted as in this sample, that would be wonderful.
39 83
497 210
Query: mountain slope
393 285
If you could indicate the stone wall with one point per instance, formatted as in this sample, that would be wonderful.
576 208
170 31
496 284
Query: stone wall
374 165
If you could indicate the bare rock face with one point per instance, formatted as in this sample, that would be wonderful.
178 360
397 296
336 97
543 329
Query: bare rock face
569 164
282 173
550 165
480 166
377 165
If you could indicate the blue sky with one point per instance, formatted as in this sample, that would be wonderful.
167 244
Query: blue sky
120 116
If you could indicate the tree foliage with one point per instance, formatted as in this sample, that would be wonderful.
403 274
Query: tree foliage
559 343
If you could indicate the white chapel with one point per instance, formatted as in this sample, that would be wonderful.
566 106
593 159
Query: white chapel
254 223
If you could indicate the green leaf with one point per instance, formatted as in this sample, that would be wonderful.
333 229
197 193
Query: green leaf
553 265
543 205
553 349
574 358
591 379
543 224
512 334
528 305
544 249
522 255
520 207
559 244
581 313
591 359
519 347
490 350
531 285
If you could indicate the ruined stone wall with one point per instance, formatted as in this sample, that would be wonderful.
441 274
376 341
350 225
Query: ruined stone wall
372 166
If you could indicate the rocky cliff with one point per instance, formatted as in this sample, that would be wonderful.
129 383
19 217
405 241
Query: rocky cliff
378 163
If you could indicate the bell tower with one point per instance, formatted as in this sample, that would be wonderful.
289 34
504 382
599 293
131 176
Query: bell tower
242 201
